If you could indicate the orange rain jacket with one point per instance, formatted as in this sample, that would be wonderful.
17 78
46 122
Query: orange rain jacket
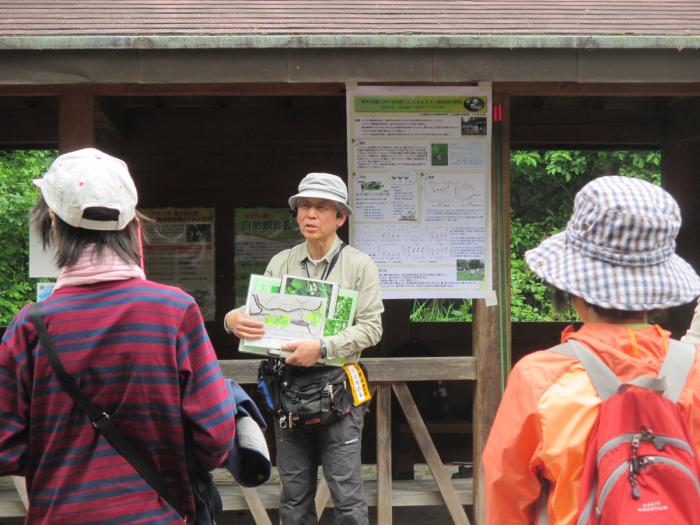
546 415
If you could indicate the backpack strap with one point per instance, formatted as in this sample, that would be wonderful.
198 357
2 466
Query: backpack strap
670 381
604 380
676 367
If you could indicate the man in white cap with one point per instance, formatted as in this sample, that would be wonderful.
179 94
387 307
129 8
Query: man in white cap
320 208
616 264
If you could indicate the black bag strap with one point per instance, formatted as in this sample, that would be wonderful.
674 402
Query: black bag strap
334 260
99 418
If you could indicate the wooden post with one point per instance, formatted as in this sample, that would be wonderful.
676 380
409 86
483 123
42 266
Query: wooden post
491 326
76 122
384 489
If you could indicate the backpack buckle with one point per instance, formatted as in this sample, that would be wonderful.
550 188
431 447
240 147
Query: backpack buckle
102 421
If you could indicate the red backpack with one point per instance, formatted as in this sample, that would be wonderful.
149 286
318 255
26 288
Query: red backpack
641 465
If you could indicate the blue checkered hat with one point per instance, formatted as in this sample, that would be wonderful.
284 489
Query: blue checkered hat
618 249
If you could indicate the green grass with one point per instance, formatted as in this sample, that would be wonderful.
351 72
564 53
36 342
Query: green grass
441 310
466 275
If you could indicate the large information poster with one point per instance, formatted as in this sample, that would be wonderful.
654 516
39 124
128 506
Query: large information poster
260 233
419 164
180 252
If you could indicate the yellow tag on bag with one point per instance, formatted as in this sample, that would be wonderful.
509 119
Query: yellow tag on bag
358 384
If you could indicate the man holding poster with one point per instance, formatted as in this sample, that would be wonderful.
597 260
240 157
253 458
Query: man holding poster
320 208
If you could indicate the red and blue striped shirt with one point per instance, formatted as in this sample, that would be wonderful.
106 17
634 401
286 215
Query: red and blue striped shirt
140 351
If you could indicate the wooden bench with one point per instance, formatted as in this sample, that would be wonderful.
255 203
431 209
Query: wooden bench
386 375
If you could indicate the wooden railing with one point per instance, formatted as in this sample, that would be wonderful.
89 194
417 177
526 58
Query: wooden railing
389 375
386 375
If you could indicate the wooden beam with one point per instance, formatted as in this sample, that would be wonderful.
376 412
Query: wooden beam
430 453
555 89
384 491
255 505
20 484
545 134
237 89
76 122
491 328
379 369
323 497
603 89
573 113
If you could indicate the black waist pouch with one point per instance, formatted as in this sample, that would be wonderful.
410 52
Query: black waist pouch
314 396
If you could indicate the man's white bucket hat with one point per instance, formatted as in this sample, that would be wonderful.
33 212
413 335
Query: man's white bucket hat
89 178
322 186
618 249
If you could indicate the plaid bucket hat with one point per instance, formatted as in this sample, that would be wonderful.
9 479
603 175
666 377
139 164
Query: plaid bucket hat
618 249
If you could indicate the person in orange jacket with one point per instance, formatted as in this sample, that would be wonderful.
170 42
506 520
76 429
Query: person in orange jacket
615 263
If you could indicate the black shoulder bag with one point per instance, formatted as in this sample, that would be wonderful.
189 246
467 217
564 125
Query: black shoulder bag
101 420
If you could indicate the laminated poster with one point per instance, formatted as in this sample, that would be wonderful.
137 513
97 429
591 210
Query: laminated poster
419 165
180 251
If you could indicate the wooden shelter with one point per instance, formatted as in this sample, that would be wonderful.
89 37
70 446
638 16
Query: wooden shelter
226 103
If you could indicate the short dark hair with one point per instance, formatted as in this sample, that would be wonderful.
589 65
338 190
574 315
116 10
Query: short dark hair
562 303
70 242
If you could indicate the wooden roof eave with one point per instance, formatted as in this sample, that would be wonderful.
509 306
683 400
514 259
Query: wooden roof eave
348 41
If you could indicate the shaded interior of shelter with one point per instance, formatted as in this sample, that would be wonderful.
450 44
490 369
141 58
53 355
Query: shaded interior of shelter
246 151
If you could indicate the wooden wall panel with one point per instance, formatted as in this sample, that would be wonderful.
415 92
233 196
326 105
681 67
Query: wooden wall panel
681 177
231 153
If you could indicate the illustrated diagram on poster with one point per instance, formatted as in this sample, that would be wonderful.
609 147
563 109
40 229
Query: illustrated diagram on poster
285 322
419 164
180 252
260 233
287 318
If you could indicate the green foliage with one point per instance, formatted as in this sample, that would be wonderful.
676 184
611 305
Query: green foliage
343 306
17 196
543 186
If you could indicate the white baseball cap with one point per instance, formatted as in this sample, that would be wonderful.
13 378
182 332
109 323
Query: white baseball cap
89 178
322 186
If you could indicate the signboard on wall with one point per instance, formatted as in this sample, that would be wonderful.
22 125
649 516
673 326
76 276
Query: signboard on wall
180 252
420 186
260 233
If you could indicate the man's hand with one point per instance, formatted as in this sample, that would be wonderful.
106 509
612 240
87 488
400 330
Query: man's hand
304 352
243 326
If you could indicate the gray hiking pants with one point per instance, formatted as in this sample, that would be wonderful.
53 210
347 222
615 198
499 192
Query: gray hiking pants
335 446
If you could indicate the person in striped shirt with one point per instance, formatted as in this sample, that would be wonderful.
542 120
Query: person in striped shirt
136 348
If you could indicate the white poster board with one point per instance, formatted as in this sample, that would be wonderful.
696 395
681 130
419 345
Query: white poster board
419 164
40 261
